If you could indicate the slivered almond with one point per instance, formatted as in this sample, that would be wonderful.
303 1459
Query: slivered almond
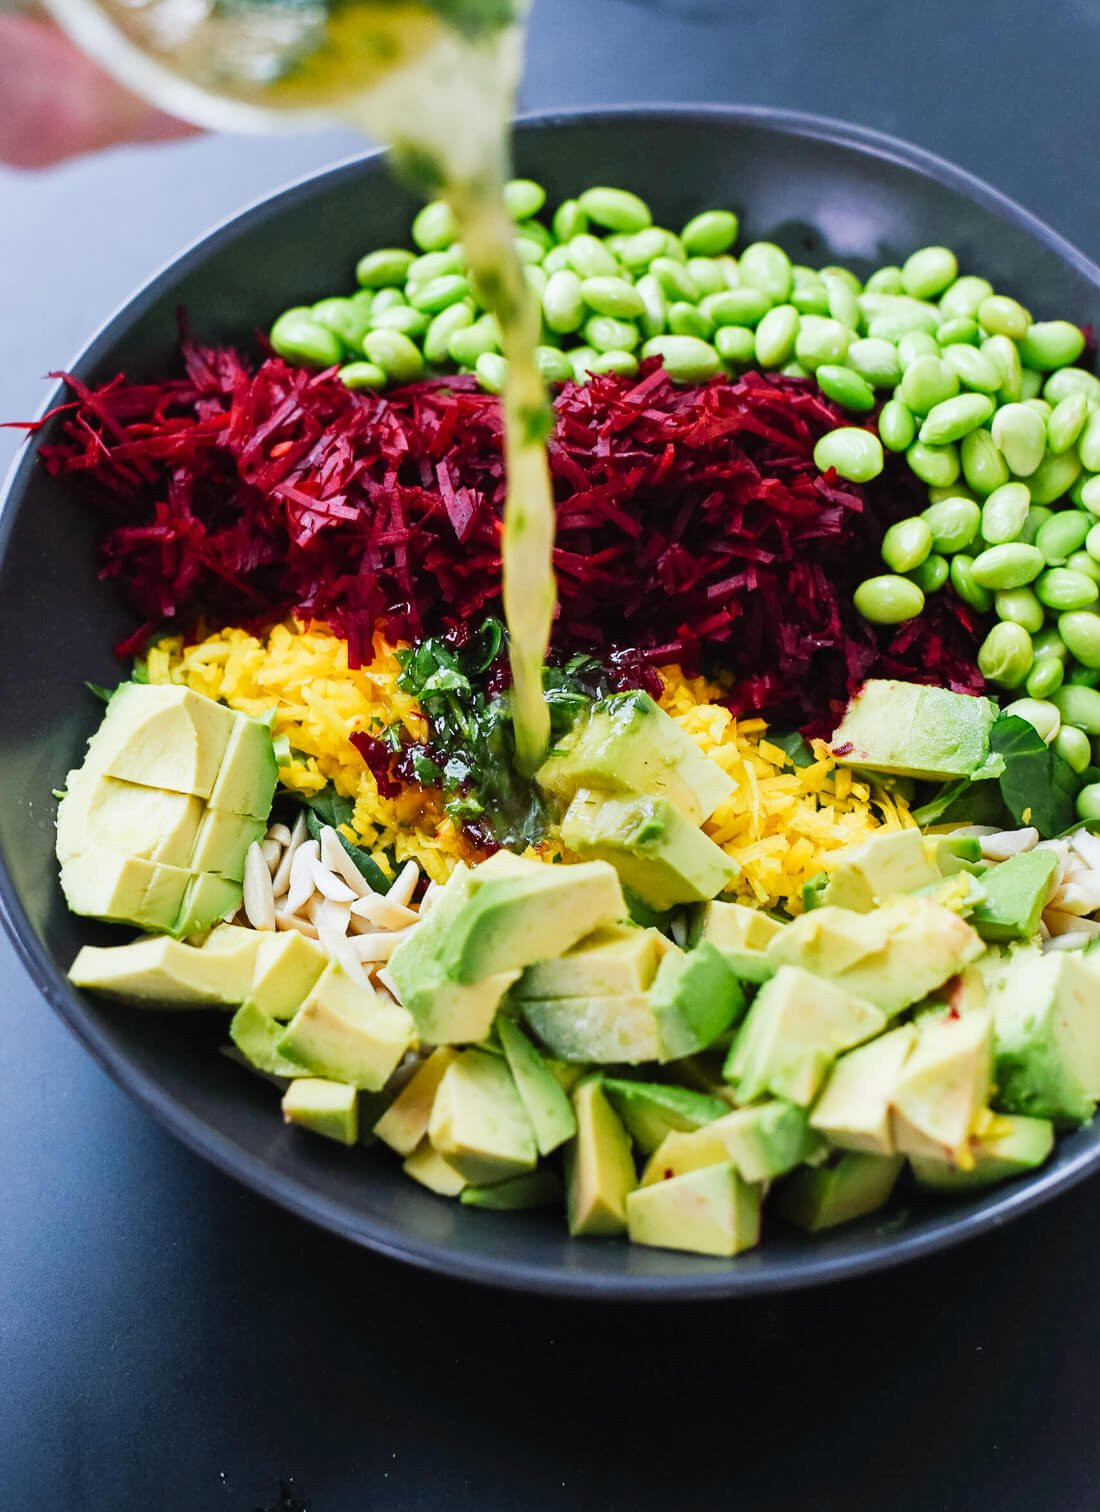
327 915
1073 939
1087 847
339 948
281 880
330 885
273 852
292 921
404 884
280 833
336 858
377 947
1005 843
383 914
1079 897
259 899
1059 923
384 977
301 876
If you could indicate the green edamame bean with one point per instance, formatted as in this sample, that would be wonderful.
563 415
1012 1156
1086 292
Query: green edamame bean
906 544
728 307
437 293
624 364
968 589
362 375
536 278
1031 384
1005 512
852 453
1063 590
524 198
429 266
1080 630
843 301
616 209
437 338
794 370
876 361
553 364
469 343
896 426
581 359
812 300
537 234
803 277
686 359
674 247
555 260
363 300
983 466
386 268
1066 423
956 491
821 340
387 299
1006 655
766 267
730 270
569 220
709 233
1079 705
1002 316
1051 344
1088 443
528 252
606 334
1049 643
347 320
888 600
735 345
1054 477
1080 676
952 419
706 274
492 372
655 318
929 271
1021 607
1087 494
1080 561
885 280
900 317
403 318
590 258
1087 803
1072 745
638 251
841 275
435 227
953 522
298 337
776 336
676 281
1009 566
916 344
1063 534
959 332
1041 408
612 296
1092 542
1005 358
1020 435
938 466
840 384
1072 380
932 573
686 319
395 353
927 381
1040 714
965 297
973 368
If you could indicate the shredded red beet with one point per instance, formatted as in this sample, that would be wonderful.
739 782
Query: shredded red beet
692 523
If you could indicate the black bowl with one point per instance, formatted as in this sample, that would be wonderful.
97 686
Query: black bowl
827 192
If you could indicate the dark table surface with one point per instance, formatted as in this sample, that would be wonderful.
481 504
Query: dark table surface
171 1343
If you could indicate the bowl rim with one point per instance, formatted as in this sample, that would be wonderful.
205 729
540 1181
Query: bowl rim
958 1221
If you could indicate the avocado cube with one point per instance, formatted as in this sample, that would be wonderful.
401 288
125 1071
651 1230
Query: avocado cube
429 1168
695 998
206 899
711 1211
599 1166
238 949
248 772
795 1029
222 841
326 1107
861 876
160 972
165 736
848 1187
544 1101
659 855
956 853
538 1189
478 1122
1015 1144
628 743
405 1122
617 1030
103 814
446 1012
768 1139
853 1111
943 1084
652 1110
124 890
255 1035
618 958
1047 1037
347 1032
287 967
1016 892
684 1150
753 966
917 730
734 926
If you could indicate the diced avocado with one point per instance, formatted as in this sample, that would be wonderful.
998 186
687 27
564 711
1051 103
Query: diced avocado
796 1027
206 899
544 1101
405 1122
165 736
325 1107
853 1111
1016 892
101 815
658 854
537 1189
347 1031
287 967
695 998
238 949
917 730
734 926
849 1186
566 1073
429 1168
618 958
1047 1037
478 1123
125 890
222 842
651 1110
753 966
680 1152
711 1211
445 1011
893 956
248 773
956 853
256 1036
943 1084
161 973
768 1139
599 1166
889 863
604 1031
1015 1144
628 742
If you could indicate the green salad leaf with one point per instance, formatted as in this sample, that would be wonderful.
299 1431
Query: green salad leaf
329 807
1038 787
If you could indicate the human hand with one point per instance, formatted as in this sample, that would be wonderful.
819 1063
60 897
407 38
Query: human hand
58 103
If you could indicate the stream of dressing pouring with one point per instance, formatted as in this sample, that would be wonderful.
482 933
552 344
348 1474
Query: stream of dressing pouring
436 80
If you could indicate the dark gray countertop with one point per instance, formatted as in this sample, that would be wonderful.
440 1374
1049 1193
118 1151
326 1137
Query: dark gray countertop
171 1342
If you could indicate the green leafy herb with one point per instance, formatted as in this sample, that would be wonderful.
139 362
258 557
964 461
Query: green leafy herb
795 746
1038 787
330 808
933 811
